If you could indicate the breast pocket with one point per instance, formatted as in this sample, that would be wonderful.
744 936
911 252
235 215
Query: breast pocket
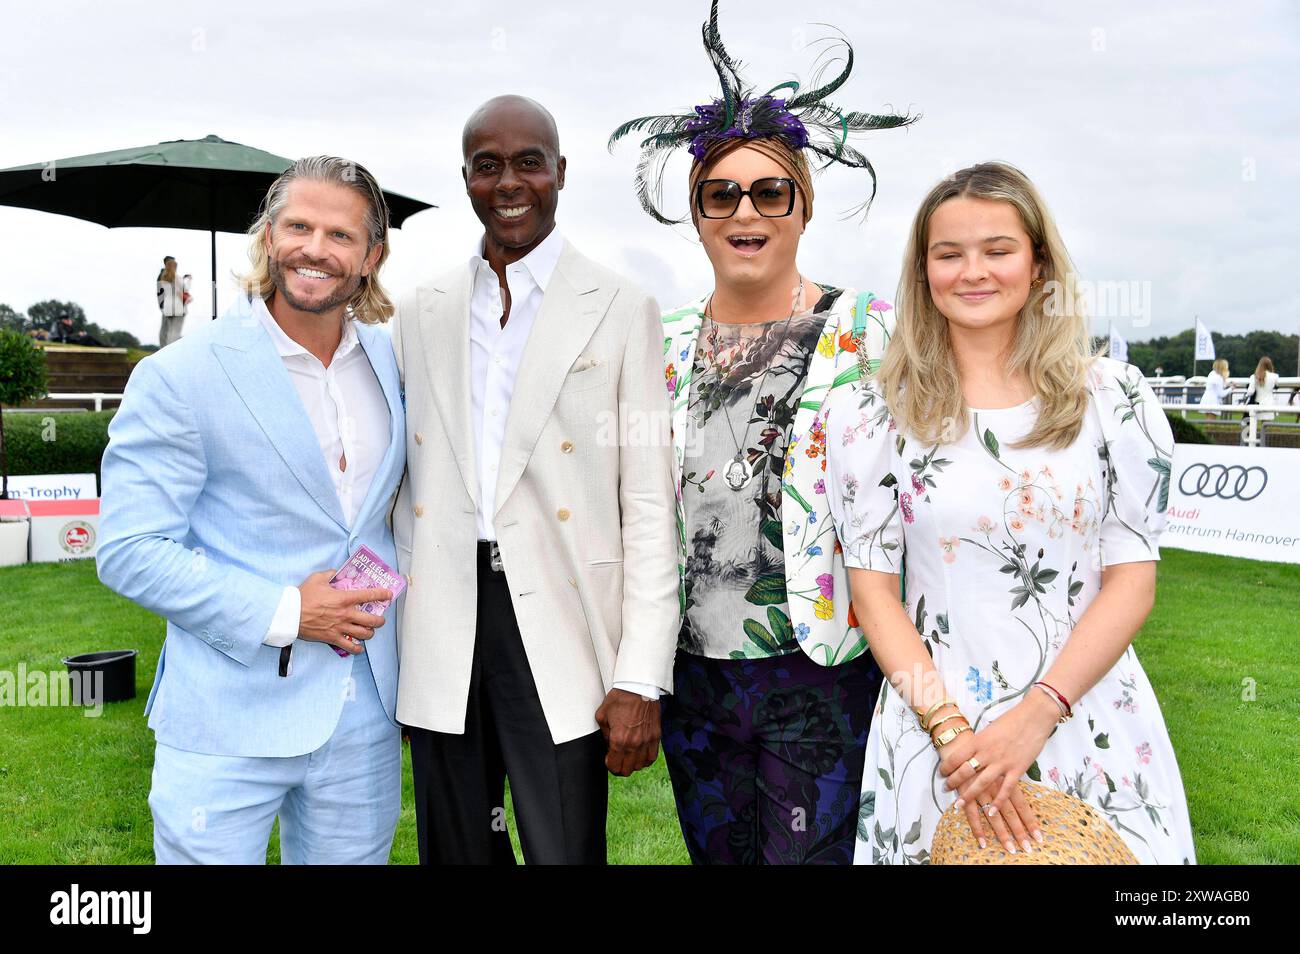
585 379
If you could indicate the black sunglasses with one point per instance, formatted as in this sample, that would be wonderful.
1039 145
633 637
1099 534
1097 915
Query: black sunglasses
720 198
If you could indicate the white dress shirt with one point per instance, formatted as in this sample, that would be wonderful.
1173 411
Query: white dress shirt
494 356
495 353
346 406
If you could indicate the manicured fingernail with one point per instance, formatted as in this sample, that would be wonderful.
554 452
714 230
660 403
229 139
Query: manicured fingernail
1038 837
983 844
1028 850
960 803
1011 847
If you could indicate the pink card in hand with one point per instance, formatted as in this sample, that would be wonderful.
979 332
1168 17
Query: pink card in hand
365 570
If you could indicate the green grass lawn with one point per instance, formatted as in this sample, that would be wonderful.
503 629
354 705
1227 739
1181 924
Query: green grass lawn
74 789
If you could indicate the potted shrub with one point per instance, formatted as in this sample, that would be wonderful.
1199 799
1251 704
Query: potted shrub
22 378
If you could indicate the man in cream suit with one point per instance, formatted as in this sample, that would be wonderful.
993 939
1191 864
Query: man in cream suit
536 524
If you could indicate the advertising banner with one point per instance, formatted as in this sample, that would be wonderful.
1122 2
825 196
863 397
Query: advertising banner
1236 501
53 487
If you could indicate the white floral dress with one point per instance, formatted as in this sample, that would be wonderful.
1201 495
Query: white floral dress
1004 549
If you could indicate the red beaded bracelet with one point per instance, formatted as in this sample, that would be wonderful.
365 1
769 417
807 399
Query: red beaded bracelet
1067 712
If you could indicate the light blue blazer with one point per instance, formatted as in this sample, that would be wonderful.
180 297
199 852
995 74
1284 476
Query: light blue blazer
216 497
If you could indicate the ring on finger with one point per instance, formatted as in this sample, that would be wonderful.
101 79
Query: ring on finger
974 763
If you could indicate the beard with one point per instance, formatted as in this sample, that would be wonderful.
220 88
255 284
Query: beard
347 288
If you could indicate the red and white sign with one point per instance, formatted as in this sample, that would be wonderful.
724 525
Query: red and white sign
63 529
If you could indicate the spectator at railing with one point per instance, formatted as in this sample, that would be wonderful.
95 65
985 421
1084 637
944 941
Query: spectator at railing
63 331
1217 388
1260 388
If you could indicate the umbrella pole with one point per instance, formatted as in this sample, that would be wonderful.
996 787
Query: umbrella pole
214 274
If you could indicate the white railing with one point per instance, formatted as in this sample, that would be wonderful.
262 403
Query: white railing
1172 390
1250 428
99 397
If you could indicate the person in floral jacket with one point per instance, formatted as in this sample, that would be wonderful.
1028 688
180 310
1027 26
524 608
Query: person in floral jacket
773 688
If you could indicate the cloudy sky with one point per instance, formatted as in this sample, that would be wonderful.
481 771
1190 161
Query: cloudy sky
1164 135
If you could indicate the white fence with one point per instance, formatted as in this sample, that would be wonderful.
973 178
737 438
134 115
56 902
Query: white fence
1179 390
1175 394
99 397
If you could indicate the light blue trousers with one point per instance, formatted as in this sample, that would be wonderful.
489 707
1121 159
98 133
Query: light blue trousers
337 805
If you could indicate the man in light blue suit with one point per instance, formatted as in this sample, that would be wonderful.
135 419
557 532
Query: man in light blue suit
247 461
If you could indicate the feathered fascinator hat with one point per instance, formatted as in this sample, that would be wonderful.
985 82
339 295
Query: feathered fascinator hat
804 120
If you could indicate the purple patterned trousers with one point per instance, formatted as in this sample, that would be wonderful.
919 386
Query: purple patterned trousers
766 756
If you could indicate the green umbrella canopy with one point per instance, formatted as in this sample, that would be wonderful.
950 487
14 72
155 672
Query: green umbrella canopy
207 183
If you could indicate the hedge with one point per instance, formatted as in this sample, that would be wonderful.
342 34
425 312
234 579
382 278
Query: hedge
1186 432
80 439
77 446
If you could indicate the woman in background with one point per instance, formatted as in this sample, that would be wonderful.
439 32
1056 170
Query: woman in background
1261 386
173 297
1217 388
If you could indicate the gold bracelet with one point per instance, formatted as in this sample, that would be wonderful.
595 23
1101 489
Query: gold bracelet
925 719
949 734
947 718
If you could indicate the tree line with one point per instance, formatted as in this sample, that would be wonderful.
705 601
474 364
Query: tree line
1242 352
42 316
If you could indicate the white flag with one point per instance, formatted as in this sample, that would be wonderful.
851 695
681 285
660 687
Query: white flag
1204 343
1118 346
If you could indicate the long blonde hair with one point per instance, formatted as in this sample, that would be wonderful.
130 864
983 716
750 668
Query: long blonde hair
1221 366
371 303
1263 369
1053 348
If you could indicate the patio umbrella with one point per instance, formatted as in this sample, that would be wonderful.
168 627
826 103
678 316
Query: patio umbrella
207 183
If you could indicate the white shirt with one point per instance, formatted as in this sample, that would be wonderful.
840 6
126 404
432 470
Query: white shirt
494 357
1265 390
346 406
495 353
1216 389
171 296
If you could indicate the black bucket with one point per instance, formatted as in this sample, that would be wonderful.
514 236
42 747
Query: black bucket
102 677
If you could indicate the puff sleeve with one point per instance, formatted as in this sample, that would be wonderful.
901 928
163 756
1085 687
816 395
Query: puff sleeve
1137 456
863 491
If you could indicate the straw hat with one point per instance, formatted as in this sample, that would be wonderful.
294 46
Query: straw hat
1073 834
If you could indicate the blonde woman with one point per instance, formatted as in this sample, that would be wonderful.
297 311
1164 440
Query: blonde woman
1217 388
1022 482
173 300
1261 386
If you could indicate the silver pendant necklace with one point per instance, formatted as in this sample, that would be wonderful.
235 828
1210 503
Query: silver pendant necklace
739 471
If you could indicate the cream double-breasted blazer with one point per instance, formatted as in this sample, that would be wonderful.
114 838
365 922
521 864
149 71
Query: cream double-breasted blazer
585 499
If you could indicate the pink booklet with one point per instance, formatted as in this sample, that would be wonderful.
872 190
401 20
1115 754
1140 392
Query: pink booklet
365 570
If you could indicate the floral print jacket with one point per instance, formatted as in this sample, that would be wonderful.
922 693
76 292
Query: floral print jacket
816 583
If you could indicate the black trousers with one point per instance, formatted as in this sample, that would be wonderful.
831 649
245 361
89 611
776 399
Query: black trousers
560 792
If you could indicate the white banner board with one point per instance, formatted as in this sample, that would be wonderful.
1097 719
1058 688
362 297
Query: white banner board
53 487
1236 501
64 530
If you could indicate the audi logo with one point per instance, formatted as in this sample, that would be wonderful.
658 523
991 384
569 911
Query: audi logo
1226 483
